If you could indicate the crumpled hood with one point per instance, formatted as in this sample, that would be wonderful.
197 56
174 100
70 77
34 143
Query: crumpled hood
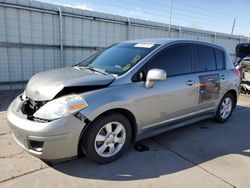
46 85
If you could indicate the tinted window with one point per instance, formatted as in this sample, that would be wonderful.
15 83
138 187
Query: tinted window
205 58
219 59
119 58
174 60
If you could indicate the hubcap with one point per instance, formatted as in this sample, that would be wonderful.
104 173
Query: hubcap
110 139
226 108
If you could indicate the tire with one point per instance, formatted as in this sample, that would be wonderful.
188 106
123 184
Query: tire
106 138
227 102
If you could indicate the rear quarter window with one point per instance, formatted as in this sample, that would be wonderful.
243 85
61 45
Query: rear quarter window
220 59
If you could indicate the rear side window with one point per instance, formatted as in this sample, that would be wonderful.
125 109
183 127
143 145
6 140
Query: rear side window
174 60
220 59
205 58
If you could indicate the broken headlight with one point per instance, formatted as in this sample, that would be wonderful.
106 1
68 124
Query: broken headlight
61 107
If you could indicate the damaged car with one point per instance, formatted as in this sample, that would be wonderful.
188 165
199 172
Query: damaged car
125 93
243 55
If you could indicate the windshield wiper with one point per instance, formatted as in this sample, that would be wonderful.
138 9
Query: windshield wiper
102 71
97 69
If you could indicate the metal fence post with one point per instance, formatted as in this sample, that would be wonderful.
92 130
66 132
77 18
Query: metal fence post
61 36
233 26
215 37
170 17
179 32
128 35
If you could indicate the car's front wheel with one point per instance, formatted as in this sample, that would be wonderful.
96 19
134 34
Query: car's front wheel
225 108
106 138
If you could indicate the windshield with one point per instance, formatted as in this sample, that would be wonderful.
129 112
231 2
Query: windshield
119 58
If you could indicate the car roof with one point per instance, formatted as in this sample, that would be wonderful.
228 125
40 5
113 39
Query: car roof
162 41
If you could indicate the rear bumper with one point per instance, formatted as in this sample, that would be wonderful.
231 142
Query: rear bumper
57 139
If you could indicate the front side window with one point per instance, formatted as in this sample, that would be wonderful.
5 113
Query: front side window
174 60
205 58
119 58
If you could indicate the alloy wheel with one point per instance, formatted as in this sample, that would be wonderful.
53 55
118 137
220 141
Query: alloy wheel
110 139
226 108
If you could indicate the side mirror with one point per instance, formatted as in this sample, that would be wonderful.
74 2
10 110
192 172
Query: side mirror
155 75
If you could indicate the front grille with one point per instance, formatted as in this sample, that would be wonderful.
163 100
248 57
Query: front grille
41 120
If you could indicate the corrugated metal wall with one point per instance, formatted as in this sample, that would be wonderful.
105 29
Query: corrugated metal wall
31 41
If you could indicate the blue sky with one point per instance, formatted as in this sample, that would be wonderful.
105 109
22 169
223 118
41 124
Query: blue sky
213 15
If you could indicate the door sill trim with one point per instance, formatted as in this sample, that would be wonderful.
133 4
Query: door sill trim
164 128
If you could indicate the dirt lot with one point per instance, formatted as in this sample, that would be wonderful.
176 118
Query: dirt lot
205 154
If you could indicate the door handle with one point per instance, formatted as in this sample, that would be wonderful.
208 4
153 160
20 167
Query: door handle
222 77
190 82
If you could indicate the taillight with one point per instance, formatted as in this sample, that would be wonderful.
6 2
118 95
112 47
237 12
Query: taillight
237 71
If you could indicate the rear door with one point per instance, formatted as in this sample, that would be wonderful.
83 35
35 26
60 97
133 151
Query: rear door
209 75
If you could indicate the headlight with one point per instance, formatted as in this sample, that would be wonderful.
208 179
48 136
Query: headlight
61 107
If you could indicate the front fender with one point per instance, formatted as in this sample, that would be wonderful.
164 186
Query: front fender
92 113
109 98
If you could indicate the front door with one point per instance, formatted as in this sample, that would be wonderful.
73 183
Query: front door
174 98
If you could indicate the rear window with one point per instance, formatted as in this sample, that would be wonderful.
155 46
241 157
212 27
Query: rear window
205 58
220 59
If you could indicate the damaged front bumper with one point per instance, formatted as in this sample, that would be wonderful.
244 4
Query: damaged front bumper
52 140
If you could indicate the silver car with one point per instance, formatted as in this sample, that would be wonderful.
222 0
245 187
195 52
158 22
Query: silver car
125 93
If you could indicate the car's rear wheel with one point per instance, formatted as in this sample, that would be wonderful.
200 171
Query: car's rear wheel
225 108
106 138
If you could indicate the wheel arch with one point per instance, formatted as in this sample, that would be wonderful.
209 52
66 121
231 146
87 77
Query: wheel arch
128 114
235 96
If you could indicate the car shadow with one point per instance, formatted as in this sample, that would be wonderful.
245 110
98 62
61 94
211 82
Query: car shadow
172 151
